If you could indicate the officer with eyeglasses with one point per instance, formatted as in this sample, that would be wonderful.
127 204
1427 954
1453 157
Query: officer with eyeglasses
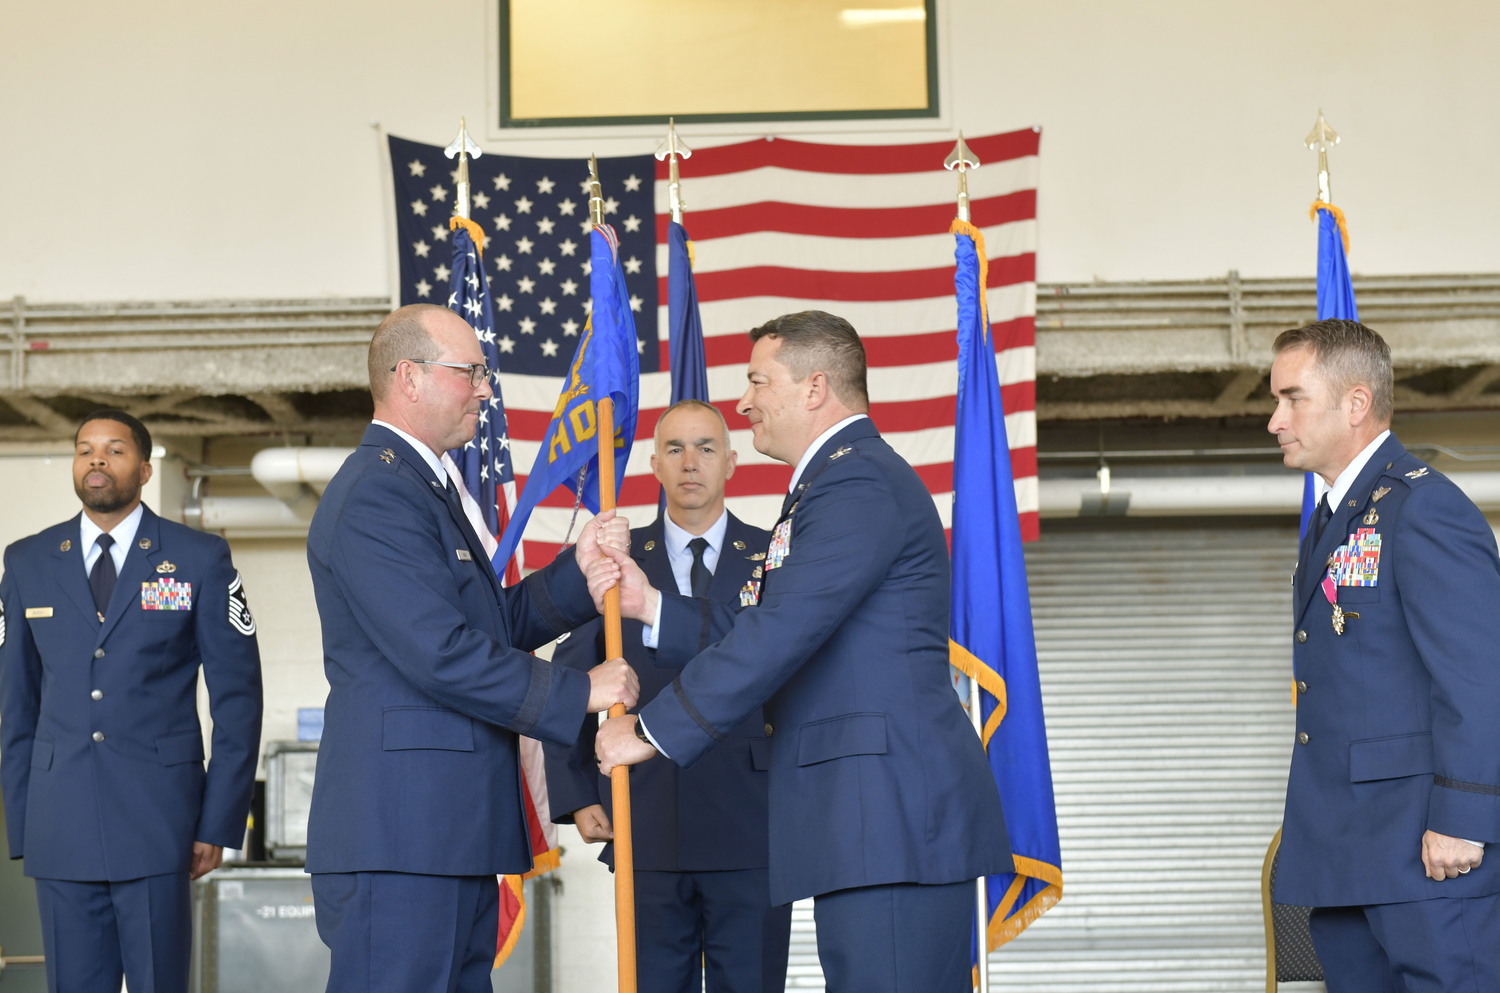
417 805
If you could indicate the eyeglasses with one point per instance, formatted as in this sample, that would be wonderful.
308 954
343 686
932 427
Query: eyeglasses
478 371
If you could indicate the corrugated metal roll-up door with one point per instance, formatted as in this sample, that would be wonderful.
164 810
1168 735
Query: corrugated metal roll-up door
1166 677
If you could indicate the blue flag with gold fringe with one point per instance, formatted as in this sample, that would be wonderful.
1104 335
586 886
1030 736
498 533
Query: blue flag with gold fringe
991 638
1335 299
605 364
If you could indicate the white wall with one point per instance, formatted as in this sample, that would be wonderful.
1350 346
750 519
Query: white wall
168 149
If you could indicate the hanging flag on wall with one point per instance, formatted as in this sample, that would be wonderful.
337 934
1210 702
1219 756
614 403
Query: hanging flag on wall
778 226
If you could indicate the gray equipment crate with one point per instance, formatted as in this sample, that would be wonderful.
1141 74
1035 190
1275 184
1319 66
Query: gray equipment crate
254 932
289 783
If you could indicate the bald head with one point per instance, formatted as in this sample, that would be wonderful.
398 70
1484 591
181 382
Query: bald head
404 334
428 376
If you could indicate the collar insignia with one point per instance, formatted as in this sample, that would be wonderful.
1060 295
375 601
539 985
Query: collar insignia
145 544
1417 473
739 546
840 453
650 545
65 546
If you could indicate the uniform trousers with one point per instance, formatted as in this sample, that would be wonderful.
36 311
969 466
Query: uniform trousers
398 932
95 933
900 938
716 925
1427 946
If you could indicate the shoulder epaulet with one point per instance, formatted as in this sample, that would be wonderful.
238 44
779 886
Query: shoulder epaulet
1409 469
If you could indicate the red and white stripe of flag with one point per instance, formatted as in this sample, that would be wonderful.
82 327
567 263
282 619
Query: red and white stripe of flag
859 231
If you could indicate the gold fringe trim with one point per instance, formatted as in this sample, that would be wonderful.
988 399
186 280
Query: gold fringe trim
1338 216
989 680
545 862
964 227
692 255
503 952
475 231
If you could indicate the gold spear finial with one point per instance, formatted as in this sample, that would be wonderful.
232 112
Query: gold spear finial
462 146
962 160
1321 139
670 150
596 197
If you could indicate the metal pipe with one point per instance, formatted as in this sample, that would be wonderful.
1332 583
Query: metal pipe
1185 496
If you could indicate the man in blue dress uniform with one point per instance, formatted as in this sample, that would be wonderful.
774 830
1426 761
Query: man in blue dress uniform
1394 791
882 805
105 621
418 804
702 900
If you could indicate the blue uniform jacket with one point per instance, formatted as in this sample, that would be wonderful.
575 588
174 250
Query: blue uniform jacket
430 680
709 817
1398 718
132 803
876 775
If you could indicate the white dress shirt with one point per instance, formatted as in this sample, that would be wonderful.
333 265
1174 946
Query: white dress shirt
1340 488
680 556
123 533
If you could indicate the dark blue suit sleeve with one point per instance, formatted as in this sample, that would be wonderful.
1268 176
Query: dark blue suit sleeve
688 626
407 600
231 671
20 703
837 558
572 775
1446 570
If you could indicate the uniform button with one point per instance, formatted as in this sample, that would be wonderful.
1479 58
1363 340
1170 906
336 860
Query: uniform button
97 695
1301 637
769 729
98 653
1301 686
1303 738
98 735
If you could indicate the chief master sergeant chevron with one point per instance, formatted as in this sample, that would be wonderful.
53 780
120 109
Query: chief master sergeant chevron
881 803
105 623
1394 789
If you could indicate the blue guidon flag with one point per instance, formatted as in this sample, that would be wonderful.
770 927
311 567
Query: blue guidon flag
1335 301
605 364
990 635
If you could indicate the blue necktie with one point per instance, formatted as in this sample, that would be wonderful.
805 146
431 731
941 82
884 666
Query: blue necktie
102 577
699 576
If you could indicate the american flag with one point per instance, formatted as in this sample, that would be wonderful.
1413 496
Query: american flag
778 226
482 469
484 465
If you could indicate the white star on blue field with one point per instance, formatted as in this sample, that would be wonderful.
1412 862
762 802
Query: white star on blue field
535 214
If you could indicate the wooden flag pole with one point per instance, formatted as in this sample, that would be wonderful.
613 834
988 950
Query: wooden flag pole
614 647
619 778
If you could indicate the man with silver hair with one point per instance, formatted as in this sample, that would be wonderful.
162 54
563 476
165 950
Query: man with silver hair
1394 789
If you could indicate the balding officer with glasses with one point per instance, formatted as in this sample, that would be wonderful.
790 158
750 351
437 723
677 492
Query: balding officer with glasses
418 804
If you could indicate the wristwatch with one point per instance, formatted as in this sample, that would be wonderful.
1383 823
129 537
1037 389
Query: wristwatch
640 732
